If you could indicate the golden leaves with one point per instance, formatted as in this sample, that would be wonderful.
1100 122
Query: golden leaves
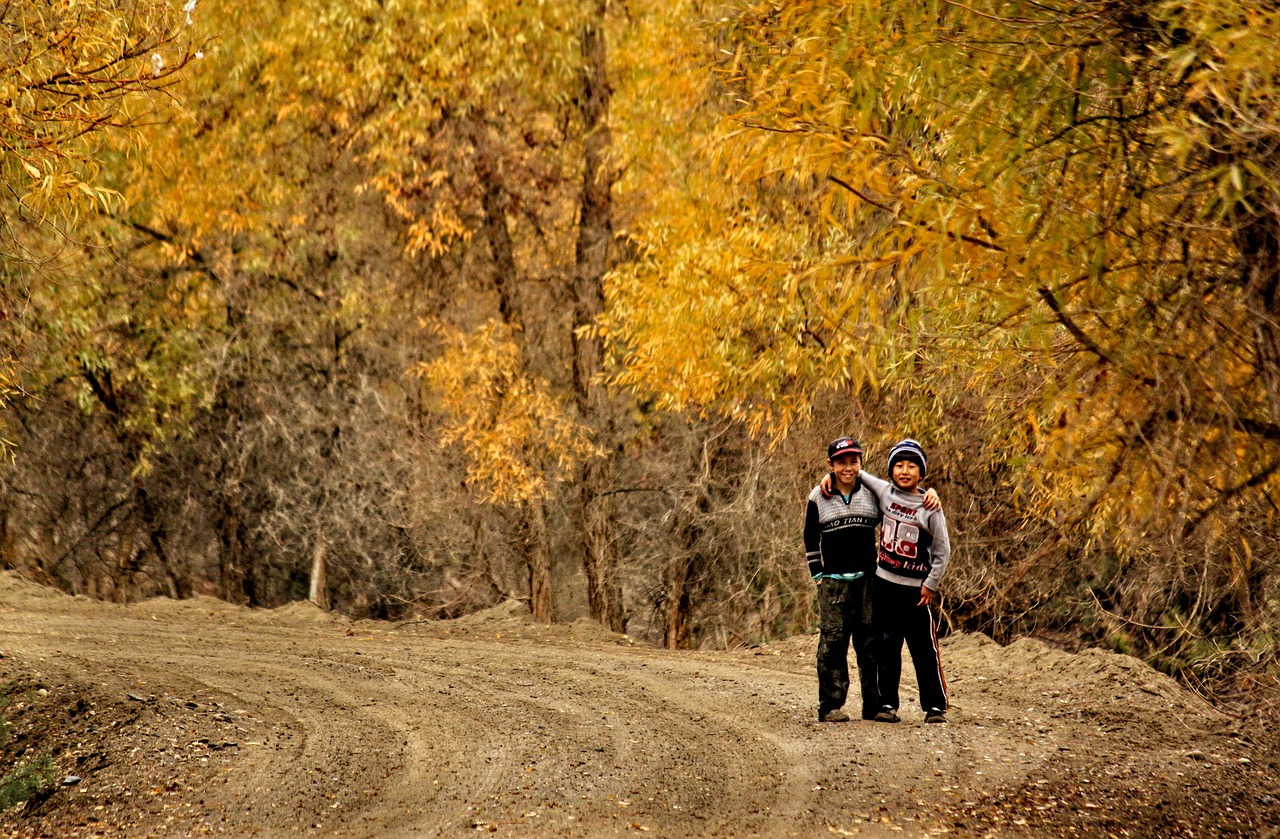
891 185
71 74
9 389
430 81
519 438
434 234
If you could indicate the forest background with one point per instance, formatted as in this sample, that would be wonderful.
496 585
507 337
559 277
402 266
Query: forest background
413 306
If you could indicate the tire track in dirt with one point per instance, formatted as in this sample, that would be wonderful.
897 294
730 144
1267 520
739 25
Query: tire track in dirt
494 725
524 738
619 748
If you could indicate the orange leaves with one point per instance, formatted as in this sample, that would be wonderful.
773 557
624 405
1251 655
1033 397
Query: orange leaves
8 389
519 438
743 322
434 234
71 74
440 87
892 185
763 284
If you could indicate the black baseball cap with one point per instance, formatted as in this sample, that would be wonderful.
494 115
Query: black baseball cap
843 445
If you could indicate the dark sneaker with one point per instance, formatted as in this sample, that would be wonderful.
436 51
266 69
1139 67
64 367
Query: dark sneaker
887 714
838 715
935 715
869 713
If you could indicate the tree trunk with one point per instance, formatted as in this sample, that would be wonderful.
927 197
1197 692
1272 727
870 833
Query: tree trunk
8 555
232 569
677 631
500 248
679 577
178 587
533 516
595 227
682 576
595 233
538 556
319 575
1259 243
599 556
126 562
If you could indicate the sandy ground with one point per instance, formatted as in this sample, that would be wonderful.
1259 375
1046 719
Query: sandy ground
197 717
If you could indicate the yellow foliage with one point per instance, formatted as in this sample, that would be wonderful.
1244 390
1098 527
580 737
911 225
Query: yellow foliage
8 390
755 290
519 439
73 72
1059 229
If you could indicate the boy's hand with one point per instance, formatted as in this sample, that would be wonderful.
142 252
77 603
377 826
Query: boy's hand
931 499
926 596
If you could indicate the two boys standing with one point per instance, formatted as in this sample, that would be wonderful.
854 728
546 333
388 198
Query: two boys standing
876 593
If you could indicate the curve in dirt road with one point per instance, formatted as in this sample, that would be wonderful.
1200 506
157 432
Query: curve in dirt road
197 717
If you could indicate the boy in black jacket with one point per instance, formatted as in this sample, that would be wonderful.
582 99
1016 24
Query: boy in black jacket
840 546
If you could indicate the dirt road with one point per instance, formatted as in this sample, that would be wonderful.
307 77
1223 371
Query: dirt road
196 717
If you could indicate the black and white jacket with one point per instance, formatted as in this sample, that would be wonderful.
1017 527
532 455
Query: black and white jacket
839 535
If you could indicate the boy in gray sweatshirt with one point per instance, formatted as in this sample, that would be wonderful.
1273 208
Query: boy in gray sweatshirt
913 554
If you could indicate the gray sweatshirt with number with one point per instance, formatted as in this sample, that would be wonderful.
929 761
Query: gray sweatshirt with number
914 544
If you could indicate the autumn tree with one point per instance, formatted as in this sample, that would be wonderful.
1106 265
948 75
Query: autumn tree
77 81
486 131
1068 214
74 77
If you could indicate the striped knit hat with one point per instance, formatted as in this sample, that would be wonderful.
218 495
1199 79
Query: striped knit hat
909 450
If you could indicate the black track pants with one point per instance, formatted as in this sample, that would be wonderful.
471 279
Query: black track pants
898 619
844 615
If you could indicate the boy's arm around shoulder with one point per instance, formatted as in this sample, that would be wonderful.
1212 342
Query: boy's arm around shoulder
940 549
878 486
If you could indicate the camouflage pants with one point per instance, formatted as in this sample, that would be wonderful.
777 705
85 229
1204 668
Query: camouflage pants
844 615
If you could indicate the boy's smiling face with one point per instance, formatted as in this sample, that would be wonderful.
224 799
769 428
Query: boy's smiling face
906 475
846 468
